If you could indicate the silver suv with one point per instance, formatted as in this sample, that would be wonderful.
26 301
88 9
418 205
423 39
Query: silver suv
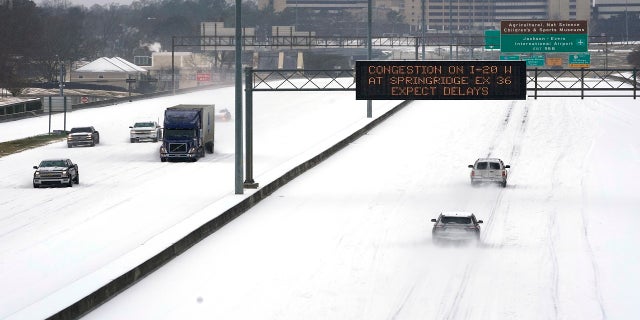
455 227
491 170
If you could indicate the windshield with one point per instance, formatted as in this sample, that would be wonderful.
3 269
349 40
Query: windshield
143 124
179 133
459 220
84 129
53 163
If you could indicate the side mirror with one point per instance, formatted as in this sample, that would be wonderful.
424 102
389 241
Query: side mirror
479 221
35 167
470 166
507 166
433 220
130 127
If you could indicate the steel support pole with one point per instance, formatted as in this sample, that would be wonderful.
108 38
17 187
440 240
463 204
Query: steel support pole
422 31
450 31
239 189
249 183
173 65
369 53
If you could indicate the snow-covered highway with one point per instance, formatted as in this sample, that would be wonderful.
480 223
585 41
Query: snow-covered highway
351 238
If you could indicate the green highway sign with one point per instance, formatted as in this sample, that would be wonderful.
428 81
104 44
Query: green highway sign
534 61
543 36
544 43
510 58
580 60
492 39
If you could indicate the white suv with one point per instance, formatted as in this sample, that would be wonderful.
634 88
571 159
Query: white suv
491 170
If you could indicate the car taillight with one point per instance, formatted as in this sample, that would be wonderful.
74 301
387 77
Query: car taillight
504 173
473 173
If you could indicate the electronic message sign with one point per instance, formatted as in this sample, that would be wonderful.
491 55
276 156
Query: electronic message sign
441 80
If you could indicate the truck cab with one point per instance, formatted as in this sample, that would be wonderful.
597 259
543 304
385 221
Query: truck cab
188 132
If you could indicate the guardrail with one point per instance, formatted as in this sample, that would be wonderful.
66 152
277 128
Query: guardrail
17 110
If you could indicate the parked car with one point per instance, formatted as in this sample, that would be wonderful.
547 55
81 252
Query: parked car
145 131
223 114
455 227
83 136
489 170
56 172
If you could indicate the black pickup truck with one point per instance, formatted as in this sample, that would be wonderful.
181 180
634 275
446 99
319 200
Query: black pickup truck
83 136
56 172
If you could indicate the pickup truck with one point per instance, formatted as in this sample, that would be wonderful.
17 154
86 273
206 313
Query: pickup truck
56 172
83 136
489 170
145 130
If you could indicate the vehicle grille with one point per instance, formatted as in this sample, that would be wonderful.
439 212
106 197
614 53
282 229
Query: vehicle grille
51 174
177 147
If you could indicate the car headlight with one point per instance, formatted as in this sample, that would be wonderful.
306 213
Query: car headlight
65 173
163 149
192 150
36 174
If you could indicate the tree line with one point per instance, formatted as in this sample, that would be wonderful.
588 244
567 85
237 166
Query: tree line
36 40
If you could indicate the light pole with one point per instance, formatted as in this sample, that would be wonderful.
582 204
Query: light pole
422 26
369 53
239 187
450 31
626 22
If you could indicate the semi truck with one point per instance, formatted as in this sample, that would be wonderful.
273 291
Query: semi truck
188 132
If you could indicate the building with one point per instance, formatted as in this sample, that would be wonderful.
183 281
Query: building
461 15
108 71
605 9
187 70
457 15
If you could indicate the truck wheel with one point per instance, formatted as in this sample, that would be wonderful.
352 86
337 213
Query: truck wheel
93 143
69 145
201 153
77 179
132 140
35 186
209 146
70 183
163 159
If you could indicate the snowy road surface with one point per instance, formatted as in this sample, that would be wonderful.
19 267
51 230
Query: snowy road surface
351 238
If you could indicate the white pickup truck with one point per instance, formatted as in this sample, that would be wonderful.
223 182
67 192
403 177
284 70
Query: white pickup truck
145 131
491 170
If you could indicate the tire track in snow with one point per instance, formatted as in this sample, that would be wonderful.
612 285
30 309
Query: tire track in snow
452 311
585 232
594 264
513 157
